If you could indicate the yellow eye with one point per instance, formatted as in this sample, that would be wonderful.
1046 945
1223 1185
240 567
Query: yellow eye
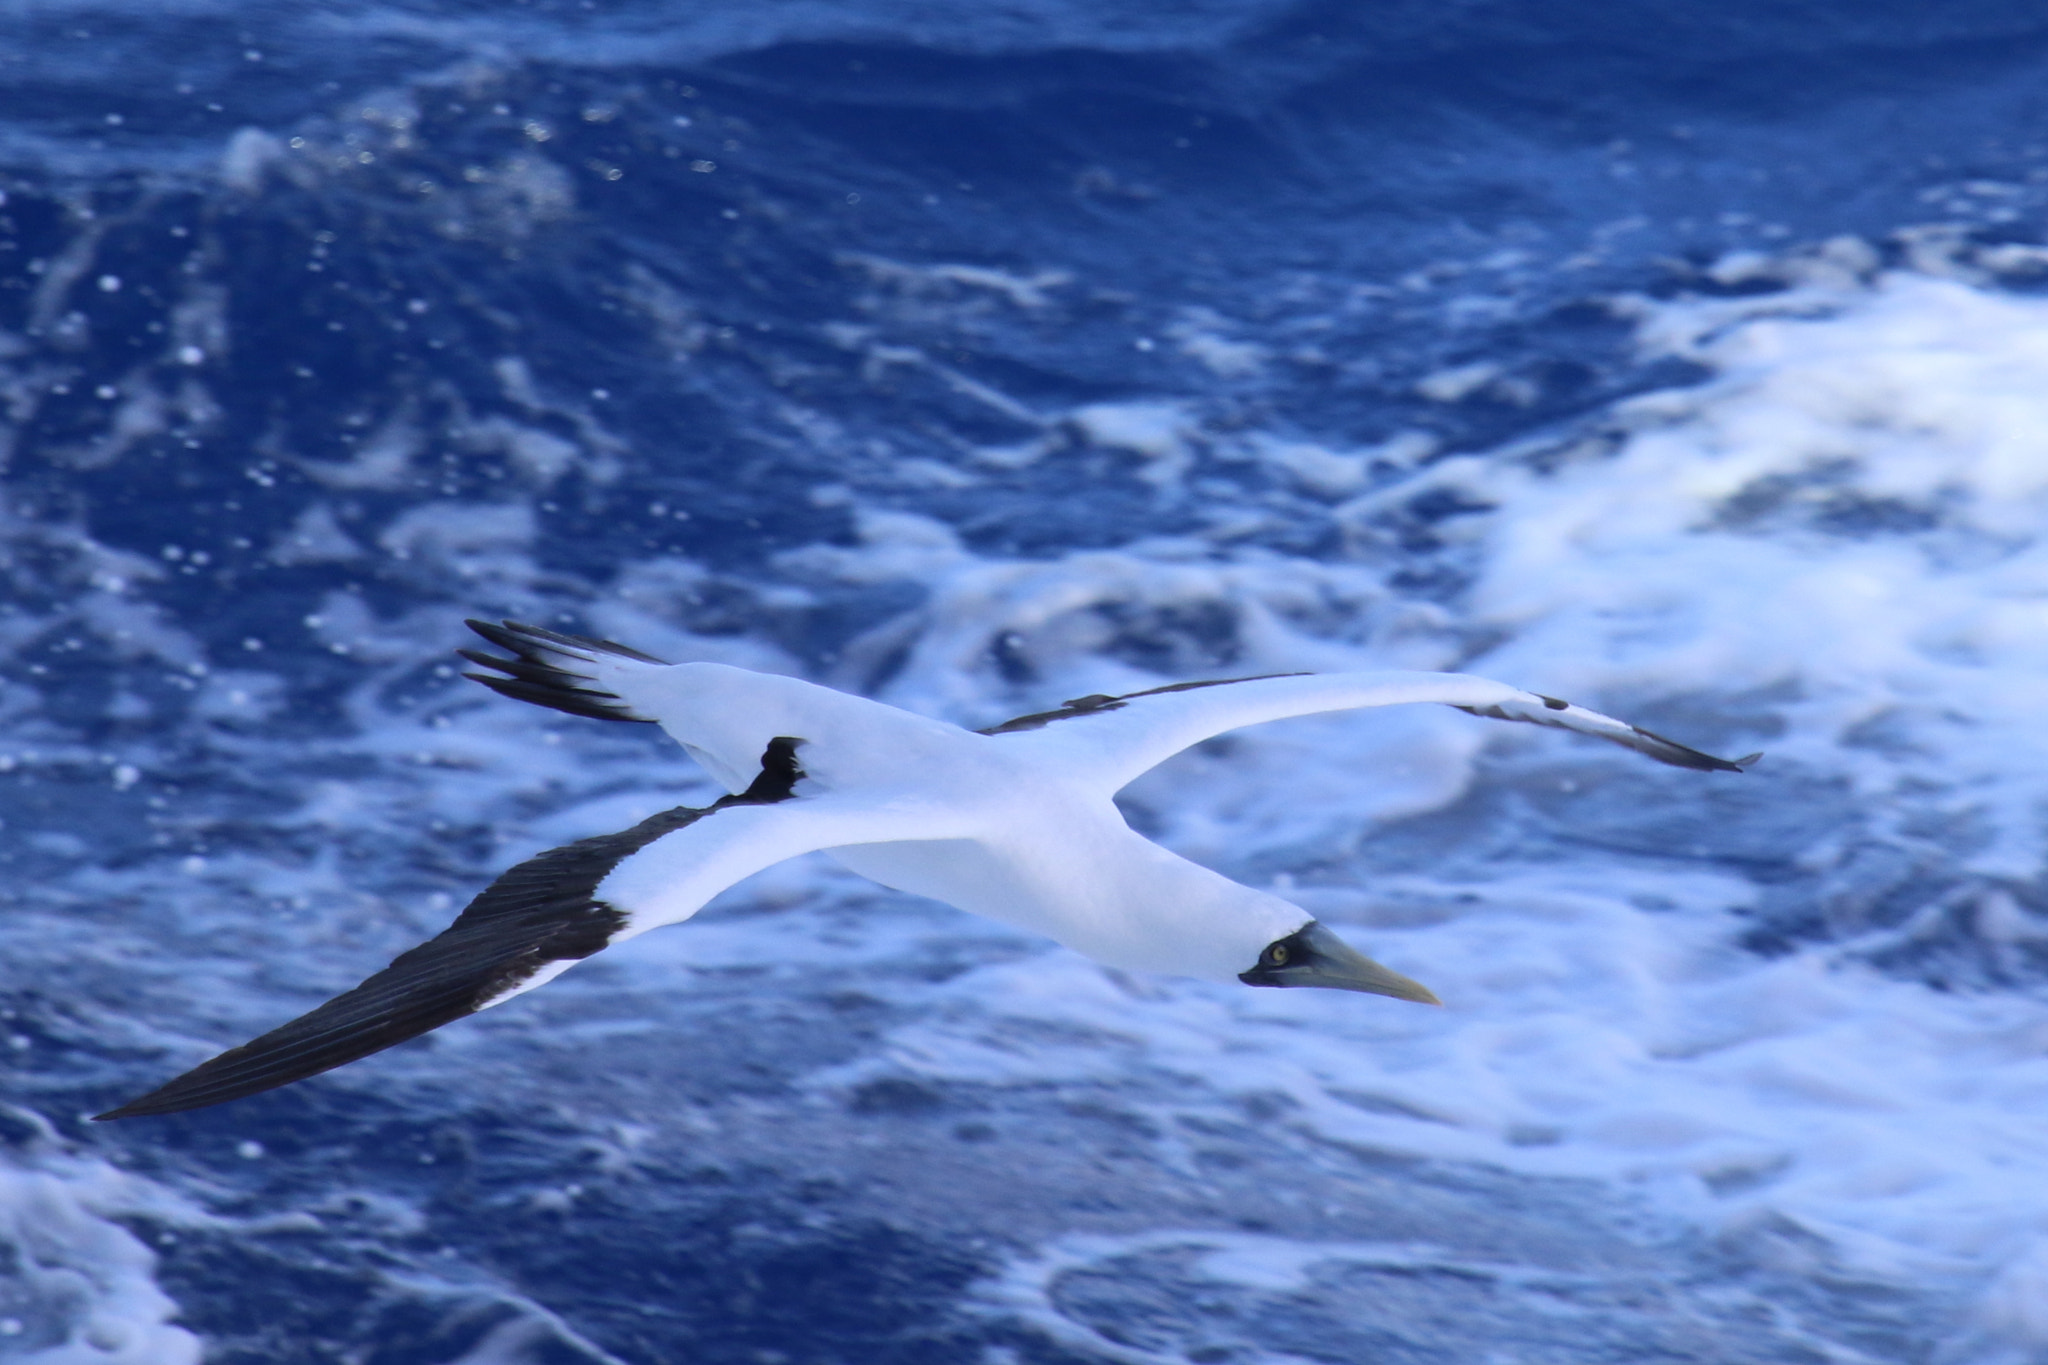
1276 955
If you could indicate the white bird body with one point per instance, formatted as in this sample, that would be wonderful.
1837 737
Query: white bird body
1017 823
1014 833
1083 877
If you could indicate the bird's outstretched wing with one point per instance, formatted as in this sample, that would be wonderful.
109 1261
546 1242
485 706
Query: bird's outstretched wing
1112 740
535 922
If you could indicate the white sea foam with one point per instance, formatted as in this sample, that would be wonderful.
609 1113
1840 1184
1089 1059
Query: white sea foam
1846 518
78 1288
1699 556
1843 521
1026 1289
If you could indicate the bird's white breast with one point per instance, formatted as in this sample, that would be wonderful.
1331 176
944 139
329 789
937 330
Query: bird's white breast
1076 873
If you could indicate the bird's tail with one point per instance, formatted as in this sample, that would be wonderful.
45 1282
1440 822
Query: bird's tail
550 669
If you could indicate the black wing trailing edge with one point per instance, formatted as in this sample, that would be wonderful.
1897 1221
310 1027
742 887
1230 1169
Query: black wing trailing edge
541 669
1096 703
544 910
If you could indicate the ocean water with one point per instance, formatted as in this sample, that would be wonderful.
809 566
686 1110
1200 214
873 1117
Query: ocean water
1691 363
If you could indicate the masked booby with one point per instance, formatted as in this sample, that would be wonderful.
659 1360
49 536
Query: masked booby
1015 822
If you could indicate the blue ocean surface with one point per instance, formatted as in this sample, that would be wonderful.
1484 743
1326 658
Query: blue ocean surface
1687 361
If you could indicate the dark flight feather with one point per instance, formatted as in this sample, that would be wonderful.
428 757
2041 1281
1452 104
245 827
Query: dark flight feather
544 910
1096 703
541 669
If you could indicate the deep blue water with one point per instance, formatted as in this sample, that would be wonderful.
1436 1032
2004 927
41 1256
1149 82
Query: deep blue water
325 326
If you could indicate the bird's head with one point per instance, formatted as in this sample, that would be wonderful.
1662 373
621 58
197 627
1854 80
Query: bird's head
1313 956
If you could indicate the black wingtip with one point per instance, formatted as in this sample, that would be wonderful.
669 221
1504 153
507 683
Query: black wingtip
143 1106
571 700
1667 750
519 636
544 669
1725 765
136 1109
173 1097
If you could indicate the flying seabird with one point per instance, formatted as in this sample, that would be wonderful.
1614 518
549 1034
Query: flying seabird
1015 822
